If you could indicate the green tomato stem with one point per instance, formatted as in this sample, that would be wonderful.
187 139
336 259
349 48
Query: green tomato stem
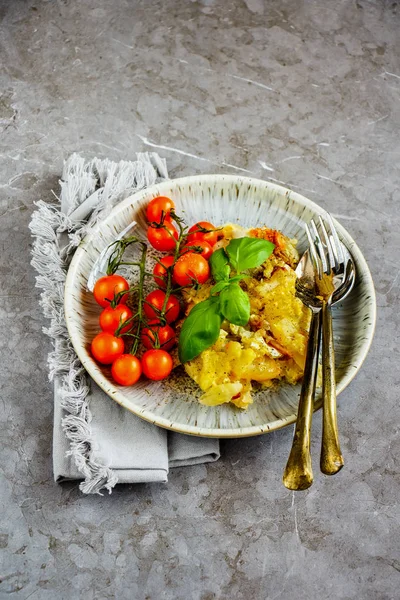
142 274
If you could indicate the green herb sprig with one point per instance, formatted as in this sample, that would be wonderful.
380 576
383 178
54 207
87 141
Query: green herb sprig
115 260
138 321
227 300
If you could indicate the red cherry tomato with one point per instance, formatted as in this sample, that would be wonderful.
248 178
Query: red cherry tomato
199 247
111 318
159 208
126 369
160 271
163 238
106 348
156 336
203 230
191 268
106 287
156 364
154 303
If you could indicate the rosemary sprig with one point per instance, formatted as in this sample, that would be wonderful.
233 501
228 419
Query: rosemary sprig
114 262
115 259
142 267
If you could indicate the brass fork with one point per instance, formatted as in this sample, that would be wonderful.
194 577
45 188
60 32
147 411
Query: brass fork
298 473
332 265
326 275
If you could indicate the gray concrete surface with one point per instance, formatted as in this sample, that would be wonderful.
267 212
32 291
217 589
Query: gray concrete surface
306 93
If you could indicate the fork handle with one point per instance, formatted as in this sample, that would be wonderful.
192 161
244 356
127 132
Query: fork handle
298 473
331 456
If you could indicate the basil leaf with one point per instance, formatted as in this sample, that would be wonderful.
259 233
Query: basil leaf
219 286
200 330
219 263
248 253
235 305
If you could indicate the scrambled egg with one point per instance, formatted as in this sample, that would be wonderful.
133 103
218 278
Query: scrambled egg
272 346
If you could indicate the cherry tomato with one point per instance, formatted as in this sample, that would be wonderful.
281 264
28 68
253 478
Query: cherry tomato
106 348
196 233
156 364
106 287
154 303
199 247
111 318
126 369
159 208
160 271
163 238
156 335
191 268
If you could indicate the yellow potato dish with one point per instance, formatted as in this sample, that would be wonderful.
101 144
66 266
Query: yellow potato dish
271 348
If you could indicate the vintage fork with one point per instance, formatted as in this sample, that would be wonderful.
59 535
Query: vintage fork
298 472
332 266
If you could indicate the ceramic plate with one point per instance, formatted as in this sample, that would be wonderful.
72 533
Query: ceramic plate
219 199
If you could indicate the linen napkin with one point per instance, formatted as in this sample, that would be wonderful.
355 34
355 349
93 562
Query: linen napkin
94 438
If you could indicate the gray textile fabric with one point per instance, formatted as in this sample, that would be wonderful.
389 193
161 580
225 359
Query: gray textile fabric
136 450
94 438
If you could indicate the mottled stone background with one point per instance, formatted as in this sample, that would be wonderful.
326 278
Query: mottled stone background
305 93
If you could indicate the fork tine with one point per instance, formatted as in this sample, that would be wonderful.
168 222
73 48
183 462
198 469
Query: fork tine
338 244
314 254
332 262
335 253
319 247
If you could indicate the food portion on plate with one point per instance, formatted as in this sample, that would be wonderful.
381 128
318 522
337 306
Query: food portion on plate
262 338
138 327
225 294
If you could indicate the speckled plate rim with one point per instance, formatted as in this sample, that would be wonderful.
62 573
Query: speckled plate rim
116 393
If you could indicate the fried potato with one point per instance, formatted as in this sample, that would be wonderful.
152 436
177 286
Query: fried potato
272 346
